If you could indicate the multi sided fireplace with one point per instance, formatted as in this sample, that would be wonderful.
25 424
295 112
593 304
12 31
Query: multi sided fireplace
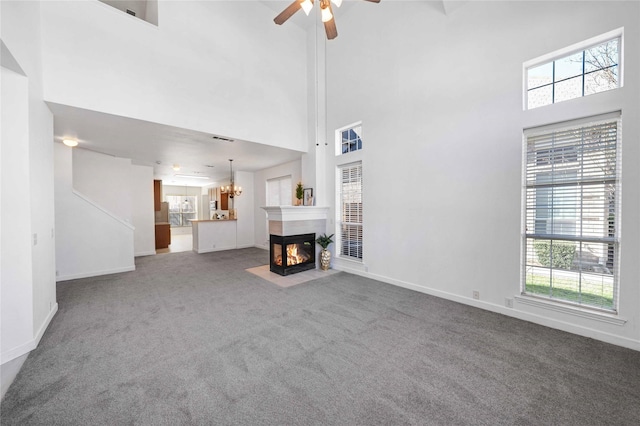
292 253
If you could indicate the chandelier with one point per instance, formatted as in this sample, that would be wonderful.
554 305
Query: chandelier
231 189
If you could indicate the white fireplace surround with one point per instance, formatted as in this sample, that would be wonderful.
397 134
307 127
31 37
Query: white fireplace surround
293 220
290 213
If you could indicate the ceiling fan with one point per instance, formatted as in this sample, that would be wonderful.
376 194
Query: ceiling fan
307 5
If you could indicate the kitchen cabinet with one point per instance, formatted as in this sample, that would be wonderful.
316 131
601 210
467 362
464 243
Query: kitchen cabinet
157 195
163 235
224 202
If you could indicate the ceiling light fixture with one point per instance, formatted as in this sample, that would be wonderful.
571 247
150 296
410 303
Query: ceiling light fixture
325 8
307 5
70 142
231 189
176 167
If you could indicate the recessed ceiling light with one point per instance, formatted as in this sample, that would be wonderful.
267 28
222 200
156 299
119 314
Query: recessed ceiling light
70 142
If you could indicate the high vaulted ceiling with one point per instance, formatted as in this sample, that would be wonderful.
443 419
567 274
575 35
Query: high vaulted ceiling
198 154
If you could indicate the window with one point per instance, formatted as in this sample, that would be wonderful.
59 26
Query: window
350 211
592 70
571 212
181 209
349 139
279 191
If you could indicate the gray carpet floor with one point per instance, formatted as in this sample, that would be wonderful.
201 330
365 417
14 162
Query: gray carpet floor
191 339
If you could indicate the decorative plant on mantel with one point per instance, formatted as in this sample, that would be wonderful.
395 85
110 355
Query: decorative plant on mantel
299 193
325 255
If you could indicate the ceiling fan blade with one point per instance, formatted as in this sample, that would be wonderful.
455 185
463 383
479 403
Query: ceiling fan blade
330 25
330 29
288 12
373 1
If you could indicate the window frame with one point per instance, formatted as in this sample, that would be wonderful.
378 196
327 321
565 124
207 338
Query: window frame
530 215
184 222
359 241
568 51
339 140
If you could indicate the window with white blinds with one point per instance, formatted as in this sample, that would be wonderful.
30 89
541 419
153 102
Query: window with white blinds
279 191
571 212
350 214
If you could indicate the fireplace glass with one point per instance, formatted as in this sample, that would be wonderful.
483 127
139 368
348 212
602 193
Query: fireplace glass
292 253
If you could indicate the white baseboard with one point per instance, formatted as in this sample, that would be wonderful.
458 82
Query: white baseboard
95 273
245 246
145 253
46 323
15 357
30 345
215 249
511 312
9 372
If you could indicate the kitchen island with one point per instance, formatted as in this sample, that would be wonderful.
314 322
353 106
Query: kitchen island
214 235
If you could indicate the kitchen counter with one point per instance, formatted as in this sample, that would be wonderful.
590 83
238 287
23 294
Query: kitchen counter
212 220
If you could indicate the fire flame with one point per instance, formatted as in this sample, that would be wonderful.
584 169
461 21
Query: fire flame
294 256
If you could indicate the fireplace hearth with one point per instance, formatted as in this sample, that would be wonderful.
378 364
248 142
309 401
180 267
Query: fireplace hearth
292 253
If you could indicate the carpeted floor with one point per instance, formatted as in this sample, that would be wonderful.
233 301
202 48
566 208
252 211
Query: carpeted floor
190 339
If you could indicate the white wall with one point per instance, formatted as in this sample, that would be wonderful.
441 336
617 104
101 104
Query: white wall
211 78
16 269
244 205
440 98
293 169
90 241
105 180
120 189
142 210
34 226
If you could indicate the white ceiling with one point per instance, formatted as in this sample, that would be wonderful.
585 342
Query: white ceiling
161 146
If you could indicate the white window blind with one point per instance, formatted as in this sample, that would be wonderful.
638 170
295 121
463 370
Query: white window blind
279 191
571 213
350 215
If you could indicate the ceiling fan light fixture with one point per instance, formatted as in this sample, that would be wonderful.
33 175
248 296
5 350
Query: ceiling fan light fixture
307 5
326 14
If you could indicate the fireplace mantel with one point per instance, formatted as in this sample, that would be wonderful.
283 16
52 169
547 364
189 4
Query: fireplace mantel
295 213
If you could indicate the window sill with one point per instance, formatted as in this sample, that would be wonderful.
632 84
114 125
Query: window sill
350 259
571 310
